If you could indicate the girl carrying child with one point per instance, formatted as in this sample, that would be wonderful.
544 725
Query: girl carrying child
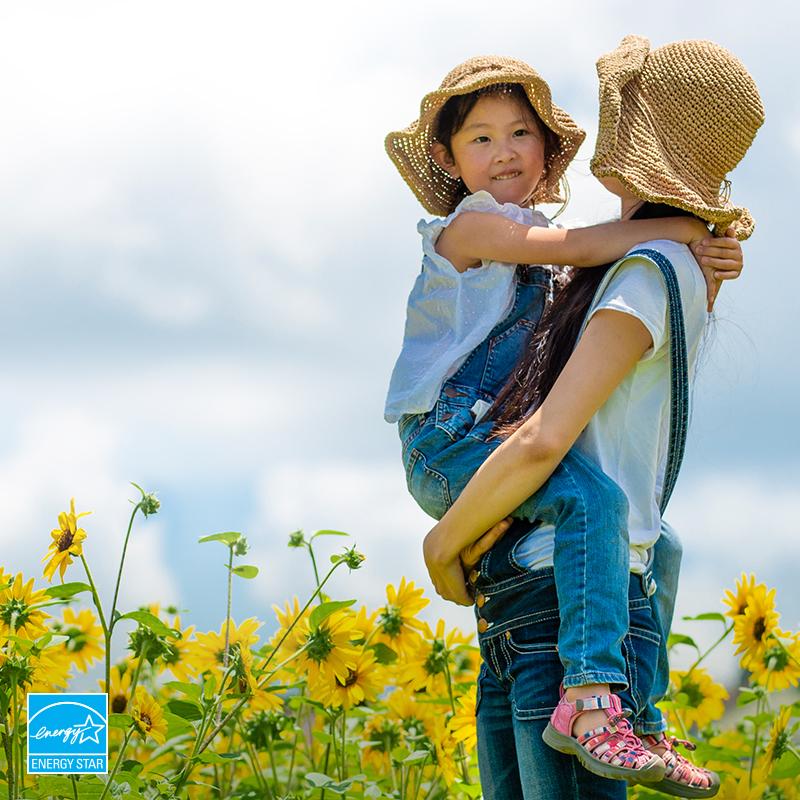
490 143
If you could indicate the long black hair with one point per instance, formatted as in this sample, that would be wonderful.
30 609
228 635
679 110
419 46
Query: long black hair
555 338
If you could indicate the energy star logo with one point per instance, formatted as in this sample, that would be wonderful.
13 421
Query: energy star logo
67 733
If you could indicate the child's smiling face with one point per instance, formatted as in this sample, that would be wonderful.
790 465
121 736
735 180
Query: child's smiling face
499 148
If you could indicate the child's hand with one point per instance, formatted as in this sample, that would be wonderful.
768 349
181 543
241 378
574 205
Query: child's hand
720 259
471 554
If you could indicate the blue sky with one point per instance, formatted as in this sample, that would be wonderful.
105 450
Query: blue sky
204 260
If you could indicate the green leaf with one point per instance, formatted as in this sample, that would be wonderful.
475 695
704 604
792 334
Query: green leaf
122 721
680 638
322 737
327 533
245 571
787 766
207 757
383 653
191 690
152 622
185 709
65 590
229 537
324 610
416 757
176 725
318 779
760 719
746 697
711 616
469 789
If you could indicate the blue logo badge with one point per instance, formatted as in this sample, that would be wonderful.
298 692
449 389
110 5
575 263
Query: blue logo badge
67 733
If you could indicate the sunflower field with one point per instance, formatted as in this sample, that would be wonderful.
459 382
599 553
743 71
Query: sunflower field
341 701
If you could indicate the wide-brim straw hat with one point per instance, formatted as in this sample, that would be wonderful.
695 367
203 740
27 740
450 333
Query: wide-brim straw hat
674 122
410 149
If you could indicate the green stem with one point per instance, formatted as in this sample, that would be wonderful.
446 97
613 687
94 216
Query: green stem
313 563
257 771
19 782
710 650
117 763
755 744
462 753
106 629
325 768
7 746
74 787
272 764
418 781
344 744
225 652
269 658
121 563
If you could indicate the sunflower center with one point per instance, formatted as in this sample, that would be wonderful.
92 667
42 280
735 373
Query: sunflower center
436 662
759 629
352 677
65 541
320 645
391 621
15 613
145 720
233 652
119 703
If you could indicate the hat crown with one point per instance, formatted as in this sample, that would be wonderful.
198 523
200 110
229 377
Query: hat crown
696 87
485 70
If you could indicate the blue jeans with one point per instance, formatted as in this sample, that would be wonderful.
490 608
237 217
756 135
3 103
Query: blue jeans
442 450
518 685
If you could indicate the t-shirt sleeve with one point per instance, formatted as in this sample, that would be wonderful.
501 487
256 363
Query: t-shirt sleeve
638 288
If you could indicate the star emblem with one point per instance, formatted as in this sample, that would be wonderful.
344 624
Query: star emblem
89 731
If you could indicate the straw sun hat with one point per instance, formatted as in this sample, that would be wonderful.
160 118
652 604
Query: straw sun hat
674 122
410 149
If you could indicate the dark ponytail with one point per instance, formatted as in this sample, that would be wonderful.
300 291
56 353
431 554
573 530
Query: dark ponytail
556 337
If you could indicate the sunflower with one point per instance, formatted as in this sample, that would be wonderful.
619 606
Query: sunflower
148 716
429 664
737 603
328 647
779 741
740 789
177 656
752 629
445 750
381 736
704 699
362 684
67 539
83 637
207 651
462 724
286 616
415 718
364 623
778 666
119 693
399 628
18 614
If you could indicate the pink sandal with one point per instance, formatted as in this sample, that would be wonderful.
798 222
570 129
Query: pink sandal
682 778
613 750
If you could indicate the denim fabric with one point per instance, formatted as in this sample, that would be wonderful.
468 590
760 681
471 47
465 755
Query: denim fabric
518 686
444 448
665 567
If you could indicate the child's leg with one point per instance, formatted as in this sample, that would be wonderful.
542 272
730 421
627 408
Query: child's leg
591 562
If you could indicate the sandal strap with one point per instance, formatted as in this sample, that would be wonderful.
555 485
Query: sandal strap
595 703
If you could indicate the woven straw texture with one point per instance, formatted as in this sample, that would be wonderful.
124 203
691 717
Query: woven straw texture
409 149
674 122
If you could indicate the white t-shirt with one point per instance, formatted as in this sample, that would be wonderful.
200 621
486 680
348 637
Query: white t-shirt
449 312
629 436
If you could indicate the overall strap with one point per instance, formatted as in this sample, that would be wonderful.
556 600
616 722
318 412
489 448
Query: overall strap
679 369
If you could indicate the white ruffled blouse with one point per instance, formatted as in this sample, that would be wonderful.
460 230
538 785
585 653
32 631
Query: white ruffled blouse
450 312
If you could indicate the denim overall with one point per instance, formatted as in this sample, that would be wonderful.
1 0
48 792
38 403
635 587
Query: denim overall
443 448
518 613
